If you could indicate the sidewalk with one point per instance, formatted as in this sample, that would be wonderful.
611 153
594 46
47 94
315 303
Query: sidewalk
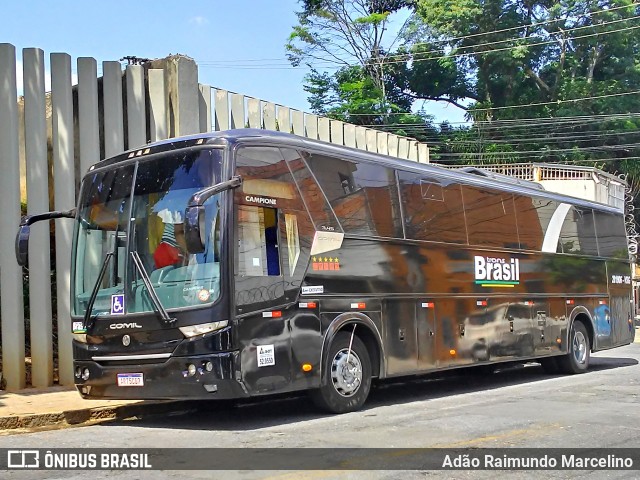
63 406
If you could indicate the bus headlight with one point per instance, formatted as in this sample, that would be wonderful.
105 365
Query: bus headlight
202 328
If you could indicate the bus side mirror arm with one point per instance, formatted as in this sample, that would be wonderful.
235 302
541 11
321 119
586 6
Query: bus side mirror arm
194 213
24 230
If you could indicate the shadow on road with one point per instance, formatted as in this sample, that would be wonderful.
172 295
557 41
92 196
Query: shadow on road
271 411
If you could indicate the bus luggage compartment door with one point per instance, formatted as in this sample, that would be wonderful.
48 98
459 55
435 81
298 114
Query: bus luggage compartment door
400 336
426 323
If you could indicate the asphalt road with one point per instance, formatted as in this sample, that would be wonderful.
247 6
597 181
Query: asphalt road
515 407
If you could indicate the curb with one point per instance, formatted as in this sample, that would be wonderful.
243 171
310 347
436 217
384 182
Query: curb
88 416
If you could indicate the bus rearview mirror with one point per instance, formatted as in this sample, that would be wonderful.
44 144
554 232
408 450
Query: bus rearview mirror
194 229
22 245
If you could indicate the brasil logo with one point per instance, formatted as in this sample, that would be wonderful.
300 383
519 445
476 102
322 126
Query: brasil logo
496 272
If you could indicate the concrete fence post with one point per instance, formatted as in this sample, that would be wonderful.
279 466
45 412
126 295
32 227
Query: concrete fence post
204 103
337 132
350 135
112 108
37 169
88 113
423 153
284 119
269 116
136 107
382 139
324 129
297 122
413 150
237 110
64 180
11 304
157 109
372 140
311 126
403 148
361 138
392 141
222 110
253 113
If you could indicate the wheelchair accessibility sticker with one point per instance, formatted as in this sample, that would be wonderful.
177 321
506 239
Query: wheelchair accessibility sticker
117 304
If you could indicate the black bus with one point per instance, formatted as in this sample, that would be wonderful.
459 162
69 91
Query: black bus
245 263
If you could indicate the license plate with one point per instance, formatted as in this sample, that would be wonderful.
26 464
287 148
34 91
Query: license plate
130 380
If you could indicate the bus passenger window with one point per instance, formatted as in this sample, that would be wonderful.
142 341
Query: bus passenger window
258 241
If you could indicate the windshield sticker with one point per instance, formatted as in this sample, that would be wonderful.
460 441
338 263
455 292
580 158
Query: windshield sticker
325 263
324 242
266 355
117 304
496 272
77 327
312 290
203 295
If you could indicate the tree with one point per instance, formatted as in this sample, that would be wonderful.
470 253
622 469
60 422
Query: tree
350 37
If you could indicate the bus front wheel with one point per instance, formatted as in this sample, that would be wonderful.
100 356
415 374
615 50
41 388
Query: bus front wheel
577 359
346 379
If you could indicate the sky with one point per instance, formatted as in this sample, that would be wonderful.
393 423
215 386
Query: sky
237 44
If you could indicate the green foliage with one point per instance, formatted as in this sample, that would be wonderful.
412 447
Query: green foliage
521 70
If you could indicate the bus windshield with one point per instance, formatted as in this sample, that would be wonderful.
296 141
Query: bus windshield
138 208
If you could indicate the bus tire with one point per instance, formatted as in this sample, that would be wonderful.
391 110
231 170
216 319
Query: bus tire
346 379
577 359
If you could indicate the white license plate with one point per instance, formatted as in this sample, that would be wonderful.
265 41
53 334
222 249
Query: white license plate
130 380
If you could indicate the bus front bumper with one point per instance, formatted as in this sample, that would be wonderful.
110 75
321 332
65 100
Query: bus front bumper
195 377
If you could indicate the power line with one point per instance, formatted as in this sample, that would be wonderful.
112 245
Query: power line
556 102
412 57
484 52
451 39
546 151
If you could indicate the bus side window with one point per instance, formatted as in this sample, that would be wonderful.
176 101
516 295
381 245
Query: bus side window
612 235
258 241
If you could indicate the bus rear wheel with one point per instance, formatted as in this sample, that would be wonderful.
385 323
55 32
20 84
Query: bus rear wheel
346 378
577 359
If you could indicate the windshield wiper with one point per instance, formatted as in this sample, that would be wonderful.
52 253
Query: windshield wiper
164 315
94 293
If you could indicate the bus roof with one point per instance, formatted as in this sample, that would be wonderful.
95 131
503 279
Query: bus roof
469 175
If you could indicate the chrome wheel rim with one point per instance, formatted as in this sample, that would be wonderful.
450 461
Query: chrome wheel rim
579 347
346 372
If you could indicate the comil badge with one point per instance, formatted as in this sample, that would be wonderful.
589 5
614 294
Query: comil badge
496 271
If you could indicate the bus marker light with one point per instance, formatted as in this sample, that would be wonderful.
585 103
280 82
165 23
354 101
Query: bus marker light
558 340
602 302
274 314
481 303
570 302
428 305
528 303
308 305
306 367
360 305
452 352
